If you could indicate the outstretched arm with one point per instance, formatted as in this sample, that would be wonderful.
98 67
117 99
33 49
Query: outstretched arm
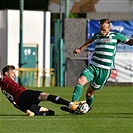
87 43
28 112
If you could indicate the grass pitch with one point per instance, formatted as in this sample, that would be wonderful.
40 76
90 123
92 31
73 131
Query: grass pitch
112 113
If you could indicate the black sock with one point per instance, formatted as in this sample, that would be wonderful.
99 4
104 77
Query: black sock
57 100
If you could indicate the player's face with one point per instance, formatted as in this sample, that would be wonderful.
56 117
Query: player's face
11 74
104 29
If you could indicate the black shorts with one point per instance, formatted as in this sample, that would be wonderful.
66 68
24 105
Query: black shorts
27 98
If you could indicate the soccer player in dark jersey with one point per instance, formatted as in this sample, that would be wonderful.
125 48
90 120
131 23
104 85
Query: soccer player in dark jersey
102 62
28 100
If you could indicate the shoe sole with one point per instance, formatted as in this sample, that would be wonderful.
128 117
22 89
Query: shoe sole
66 109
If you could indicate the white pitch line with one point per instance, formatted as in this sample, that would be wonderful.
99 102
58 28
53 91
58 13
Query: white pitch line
61 119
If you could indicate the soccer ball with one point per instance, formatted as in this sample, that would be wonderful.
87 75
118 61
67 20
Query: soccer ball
83 108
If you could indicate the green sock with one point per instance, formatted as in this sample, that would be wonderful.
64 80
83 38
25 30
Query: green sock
89 100
77 92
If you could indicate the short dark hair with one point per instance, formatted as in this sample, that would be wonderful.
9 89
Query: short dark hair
7 68
102 21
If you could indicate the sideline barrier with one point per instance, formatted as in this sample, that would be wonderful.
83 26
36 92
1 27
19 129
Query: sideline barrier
35 77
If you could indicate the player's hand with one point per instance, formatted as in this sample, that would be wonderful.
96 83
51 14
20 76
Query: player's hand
76 51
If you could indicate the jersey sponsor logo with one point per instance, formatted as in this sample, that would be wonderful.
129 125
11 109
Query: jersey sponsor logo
9 96
105 40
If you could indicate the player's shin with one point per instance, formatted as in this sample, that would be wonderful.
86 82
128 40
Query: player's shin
57 100
90 100
77 93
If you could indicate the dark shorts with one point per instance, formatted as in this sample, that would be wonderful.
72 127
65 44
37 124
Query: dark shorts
27 98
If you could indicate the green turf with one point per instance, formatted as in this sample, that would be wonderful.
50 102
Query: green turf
112 113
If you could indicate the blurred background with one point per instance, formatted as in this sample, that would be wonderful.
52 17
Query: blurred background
38 37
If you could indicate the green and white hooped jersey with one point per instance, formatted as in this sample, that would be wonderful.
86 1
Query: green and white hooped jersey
105 49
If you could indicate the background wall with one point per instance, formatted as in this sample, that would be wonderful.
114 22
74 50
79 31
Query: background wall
33 28
3 38
75 36
85 6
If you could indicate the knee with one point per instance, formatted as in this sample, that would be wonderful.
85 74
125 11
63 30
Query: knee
82 80
79 81
43 96
88 94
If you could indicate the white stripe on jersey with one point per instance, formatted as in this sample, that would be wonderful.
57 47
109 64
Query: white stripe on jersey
105 46
101 59
104 53
114 40
99 65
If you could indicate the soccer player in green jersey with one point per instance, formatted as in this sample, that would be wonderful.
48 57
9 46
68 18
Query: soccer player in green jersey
102 62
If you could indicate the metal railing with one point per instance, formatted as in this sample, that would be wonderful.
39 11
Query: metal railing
35 77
